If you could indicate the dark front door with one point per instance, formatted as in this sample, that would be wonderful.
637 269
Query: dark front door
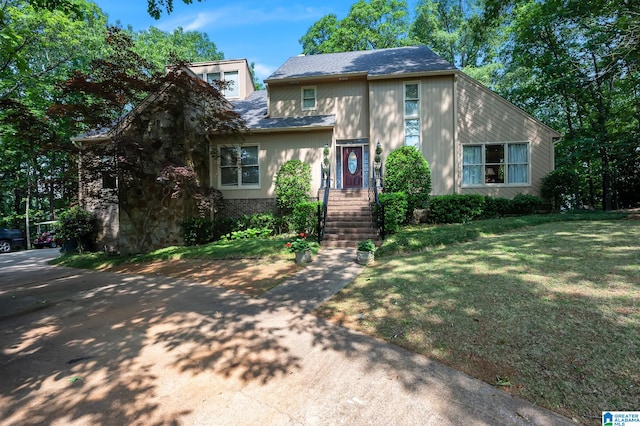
352 167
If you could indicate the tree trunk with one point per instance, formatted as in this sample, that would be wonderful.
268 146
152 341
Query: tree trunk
606 180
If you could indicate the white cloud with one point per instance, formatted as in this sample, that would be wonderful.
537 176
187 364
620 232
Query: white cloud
263 71
239 15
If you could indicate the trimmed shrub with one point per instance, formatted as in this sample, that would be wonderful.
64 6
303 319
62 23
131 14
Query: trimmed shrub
459 208
407 171
456 208
305 217
395 210
523 204
292 184
495 207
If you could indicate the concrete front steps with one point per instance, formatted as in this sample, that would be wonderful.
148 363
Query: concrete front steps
349 218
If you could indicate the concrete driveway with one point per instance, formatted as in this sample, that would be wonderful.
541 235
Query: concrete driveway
123 349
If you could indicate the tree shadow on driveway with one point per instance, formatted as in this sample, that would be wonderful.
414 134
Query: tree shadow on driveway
157 350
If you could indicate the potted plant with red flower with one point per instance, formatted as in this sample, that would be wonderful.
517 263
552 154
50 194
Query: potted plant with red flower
301 247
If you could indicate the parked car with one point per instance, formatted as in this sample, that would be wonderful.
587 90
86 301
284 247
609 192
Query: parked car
10 239
46 235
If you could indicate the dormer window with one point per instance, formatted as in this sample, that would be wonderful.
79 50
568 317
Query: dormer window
230 77
308 98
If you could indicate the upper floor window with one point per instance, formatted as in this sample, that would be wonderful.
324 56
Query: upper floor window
230 77
233 89
308 98
239 166
495 163
211 76
412 114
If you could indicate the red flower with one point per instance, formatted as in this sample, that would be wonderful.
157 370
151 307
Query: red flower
288 245
302 234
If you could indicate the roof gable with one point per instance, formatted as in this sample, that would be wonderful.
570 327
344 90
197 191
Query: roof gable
372 63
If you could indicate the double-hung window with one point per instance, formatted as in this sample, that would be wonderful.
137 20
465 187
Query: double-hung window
496 163
309 98
412 114
239 166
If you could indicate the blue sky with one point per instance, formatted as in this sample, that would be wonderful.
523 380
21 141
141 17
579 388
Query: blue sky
264 32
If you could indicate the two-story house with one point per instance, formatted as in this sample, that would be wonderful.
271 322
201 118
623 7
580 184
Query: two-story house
474 140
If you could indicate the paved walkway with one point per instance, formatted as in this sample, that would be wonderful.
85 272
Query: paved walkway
331 270
155 350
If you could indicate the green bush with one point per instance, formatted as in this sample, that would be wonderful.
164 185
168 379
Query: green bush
224 226
305 217
523 204
250 233
197 231
395 210
463 208
560 188
456 208
79 224
495 207
257 220
407 171
292 184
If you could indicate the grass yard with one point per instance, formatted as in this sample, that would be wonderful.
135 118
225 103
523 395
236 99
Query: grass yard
255 248
549 312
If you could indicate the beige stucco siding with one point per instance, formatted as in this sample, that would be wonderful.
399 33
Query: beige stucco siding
485 117
275 150
436 123
346 99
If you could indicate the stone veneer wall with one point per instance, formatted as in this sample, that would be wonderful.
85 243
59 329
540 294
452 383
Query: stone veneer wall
108 226
158 219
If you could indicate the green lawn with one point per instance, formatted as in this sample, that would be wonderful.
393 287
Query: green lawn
548 311
269 248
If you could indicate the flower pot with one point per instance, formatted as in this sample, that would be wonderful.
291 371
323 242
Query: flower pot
365 257
303 257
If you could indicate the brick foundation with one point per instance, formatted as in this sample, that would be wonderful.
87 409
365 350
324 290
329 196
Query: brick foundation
248 206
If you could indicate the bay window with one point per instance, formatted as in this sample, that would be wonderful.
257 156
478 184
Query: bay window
495 163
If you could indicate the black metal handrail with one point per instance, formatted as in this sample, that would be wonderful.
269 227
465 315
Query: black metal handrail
322 210
379 208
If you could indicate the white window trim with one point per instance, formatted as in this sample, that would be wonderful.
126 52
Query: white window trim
506 163
412 116
315 98
239 169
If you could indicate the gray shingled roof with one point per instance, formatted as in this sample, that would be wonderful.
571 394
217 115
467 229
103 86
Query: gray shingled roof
254 108
399 60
